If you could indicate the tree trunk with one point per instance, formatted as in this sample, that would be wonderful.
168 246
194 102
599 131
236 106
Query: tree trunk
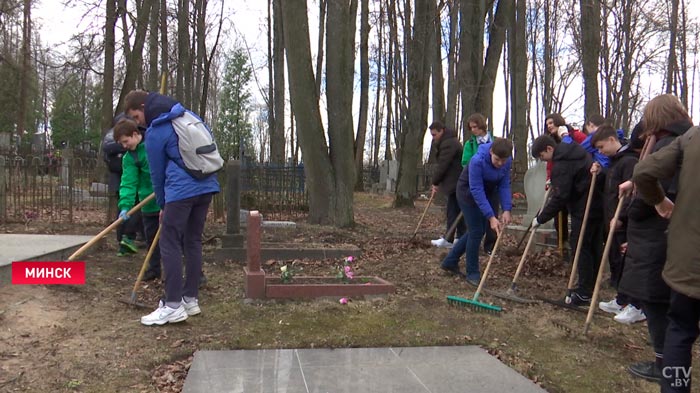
364 94
26 69
471 54
277 132
340 62
518 93
107 112
452 79
153 79
417 116
134 62
377 106
163 40
183 50
438 81
590 54
391 13
201 52
318 165
497 37
322 4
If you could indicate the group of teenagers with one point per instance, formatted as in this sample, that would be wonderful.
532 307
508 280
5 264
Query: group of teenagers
647 179
144 141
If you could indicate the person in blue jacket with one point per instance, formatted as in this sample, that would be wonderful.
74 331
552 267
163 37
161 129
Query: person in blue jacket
487 174
184 202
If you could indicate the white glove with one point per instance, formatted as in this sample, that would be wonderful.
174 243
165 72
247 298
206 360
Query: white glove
535 223
562 131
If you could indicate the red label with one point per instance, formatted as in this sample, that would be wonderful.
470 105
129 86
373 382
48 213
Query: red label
48 273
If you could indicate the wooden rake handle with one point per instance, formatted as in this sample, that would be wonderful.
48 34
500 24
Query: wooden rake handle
420 221
529 242
145 262
111 226
488 265
601 268
574 265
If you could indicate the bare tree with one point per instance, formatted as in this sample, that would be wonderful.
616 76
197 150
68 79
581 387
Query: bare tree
329 167
590 54
411 142
277 140
364 93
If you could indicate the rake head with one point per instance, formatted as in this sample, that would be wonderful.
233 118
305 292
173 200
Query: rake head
476 305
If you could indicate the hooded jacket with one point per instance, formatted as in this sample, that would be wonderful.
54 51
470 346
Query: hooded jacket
682 269
171 182
136 181
448 153
480 179
571 179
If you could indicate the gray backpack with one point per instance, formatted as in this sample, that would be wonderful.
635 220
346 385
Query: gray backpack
197 146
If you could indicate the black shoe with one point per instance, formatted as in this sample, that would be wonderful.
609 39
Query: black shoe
578 299
645 370
453 270
150 275
472 282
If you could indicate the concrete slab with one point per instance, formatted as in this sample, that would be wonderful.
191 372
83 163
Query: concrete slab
421 370
22 247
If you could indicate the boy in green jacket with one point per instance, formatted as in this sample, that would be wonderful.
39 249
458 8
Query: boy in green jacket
136 185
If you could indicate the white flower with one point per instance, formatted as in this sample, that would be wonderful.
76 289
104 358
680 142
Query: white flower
283 268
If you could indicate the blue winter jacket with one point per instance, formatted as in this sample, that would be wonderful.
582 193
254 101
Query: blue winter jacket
170 181
599 157
480 179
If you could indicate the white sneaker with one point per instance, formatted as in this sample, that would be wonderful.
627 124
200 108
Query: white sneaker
613 307
441 243
164 314
629 315
191 308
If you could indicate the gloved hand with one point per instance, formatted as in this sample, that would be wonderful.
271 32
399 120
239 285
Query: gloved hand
535 223
562 131
123 215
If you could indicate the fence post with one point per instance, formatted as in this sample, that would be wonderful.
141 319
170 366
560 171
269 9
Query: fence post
3 191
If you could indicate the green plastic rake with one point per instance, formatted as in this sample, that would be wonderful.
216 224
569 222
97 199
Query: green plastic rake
474 301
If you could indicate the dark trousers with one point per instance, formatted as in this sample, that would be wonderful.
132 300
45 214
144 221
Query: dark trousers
150 227
657 322
682 331
591 251
452 213
181 233
491 236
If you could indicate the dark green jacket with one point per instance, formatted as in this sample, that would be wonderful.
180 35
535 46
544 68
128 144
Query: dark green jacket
136 181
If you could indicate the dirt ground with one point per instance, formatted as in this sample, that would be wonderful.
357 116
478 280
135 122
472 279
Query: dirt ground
83 339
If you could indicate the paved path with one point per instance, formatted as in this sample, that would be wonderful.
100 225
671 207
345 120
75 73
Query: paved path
354 370
18 247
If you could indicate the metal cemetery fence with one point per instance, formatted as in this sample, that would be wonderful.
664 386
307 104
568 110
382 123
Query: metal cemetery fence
54 190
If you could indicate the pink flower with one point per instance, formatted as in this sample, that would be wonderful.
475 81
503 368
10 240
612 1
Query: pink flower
347 269
349 259
349 275
343 300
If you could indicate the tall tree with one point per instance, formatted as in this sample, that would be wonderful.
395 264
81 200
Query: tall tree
364 93
518 91
277 139
107 113
26 68
411 143
134 57
234 129
329 169
153 79
438 80
590 54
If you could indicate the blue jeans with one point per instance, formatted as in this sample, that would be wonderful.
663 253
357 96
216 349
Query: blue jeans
469 242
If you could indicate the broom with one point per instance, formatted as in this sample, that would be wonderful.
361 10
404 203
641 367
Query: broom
474 301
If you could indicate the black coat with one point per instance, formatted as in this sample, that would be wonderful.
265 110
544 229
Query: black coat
571 179
647 239
620 170
448 154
